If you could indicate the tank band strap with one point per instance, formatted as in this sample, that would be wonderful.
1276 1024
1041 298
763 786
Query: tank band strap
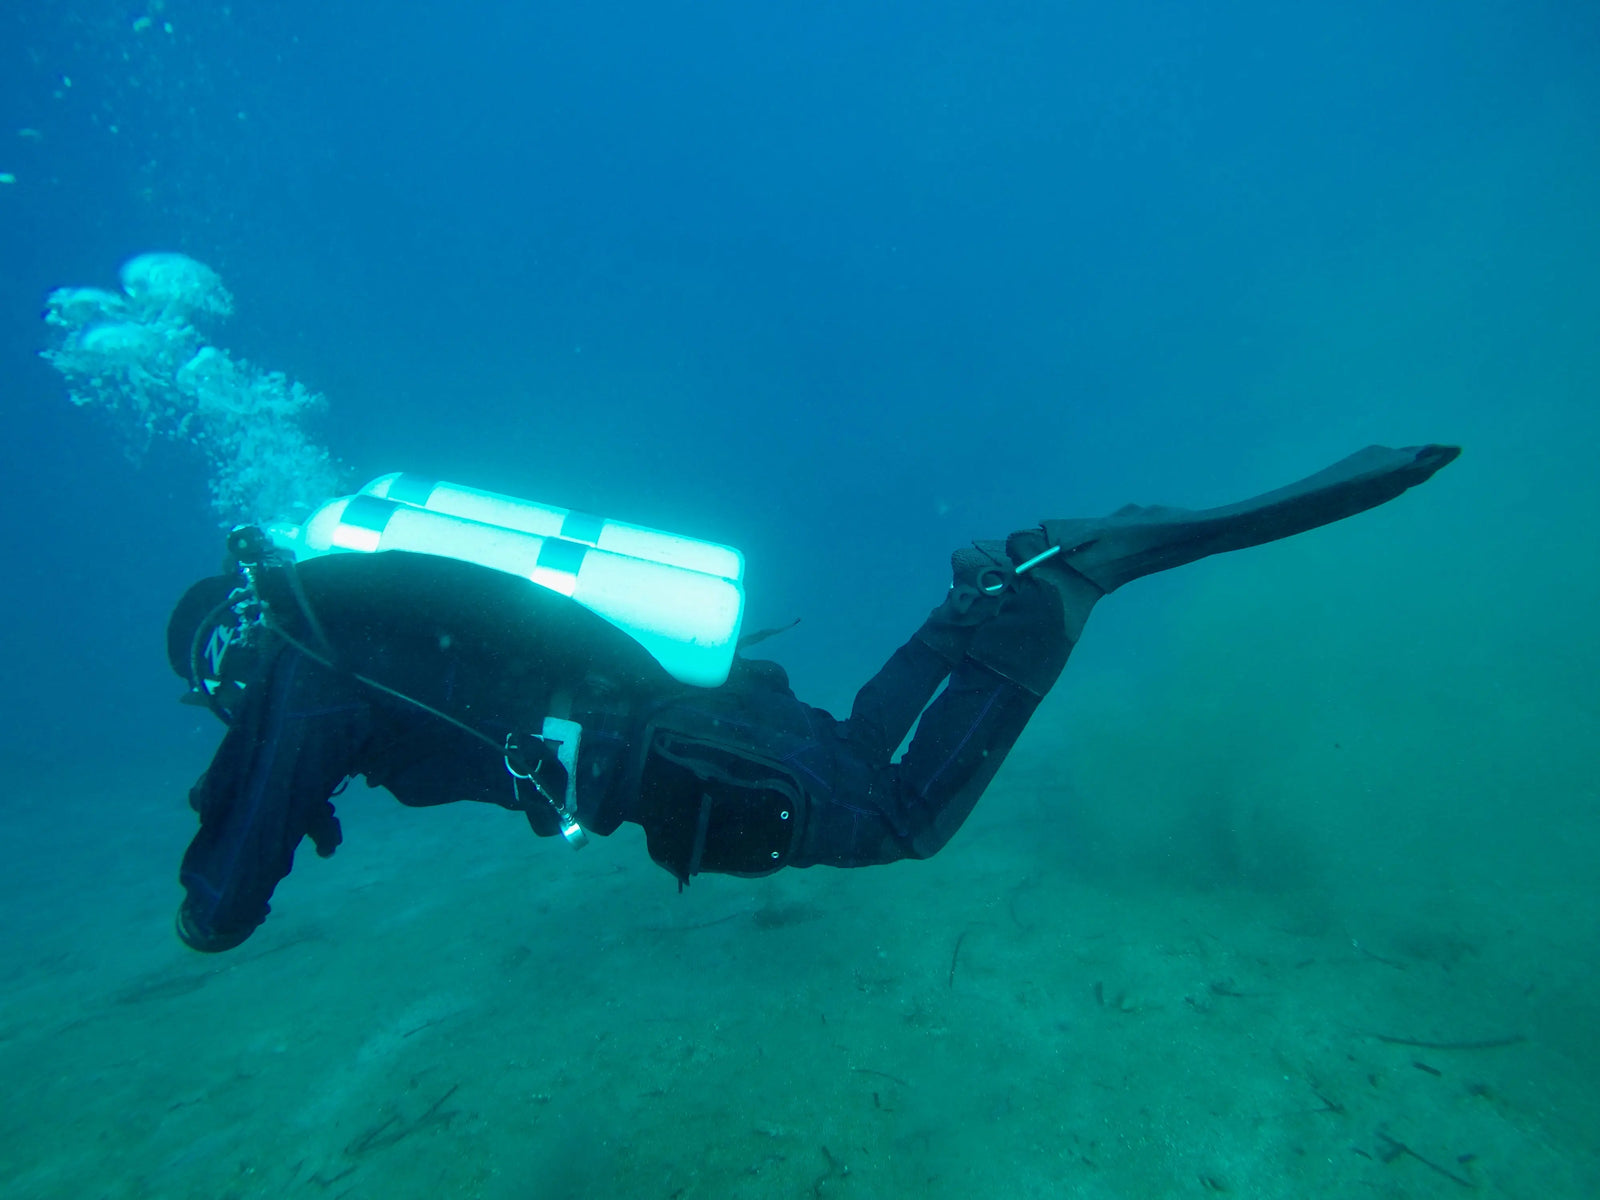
582 527
412 489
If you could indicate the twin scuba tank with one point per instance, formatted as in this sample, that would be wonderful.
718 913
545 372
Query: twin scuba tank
680 598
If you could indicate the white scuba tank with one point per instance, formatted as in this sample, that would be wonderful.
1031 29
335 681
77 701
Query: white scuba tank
680 598
545 520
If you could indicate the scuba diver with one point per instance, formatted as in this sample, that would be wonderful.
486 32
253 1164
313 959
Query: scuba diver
441 678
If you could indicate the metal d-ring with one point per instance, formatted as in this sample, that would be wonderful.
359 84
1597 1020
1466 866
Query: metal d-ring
991 581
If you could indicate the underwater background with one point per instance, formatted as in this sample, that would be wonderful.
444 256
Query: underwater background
1288 890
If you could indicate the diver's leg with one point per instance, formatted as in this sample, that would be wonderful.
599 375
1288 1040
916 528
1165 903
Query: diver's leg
267 787
889 703
1013 656
966 734
875 812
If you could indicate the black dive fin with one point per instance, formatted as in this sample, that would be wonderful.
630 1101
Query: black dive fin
1136 541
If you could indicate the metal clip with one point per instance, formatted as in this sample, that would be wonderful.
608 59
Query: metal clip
558 744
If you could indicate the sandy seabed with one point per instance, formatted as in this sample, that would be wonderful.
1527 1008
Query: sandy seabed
452 1008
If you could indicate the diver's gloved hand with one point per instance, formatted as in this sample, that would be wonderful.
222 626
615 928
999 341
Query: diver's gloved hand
297 736
199 917
322 827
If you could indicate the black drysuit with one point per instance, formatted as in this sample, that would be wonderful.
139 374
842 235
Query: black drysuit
412 670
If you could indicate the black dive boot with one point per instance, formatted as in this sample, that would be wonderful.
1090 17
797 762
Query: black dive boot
1137 541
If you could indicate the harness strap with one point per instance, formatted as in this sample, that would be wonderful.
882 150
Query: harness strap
701 826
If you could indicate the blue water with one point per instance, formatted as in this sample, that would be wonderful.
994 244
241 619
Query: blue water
847 286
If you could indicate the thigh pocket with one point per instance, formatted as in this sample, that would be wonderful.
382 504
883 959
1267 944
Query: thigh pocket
707 810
